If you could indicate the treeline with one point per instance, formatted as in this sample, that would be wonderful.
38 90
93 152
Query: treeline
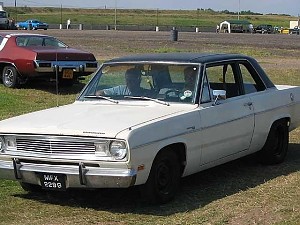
247 12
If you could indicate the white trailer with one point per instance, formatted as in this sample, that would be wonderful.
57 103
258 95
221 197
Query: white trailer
4 21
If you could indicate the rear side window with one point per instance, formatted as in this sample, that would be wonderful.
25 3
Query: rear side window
251 81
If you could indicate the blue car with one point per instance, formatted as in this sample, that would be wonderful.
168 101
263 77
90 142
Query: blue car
32 25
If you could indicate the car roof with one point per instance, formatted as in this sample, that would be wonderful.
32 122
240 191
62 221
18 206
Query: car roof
179 57
4 34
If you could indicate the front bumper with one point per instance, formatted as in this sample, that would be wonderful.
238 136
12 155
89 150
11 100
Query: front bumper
77 176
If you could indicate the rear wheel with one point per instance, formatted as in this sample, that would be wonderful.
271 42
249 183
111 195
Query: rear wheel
10 77
276 146
164 178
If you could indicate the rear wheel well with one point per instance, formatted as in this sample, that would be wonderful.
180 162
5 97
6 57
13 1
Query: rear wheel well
4 64
286 120
276 146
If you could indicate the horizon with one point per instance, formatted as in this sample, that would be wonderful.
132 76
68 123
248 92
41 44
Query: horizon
256 6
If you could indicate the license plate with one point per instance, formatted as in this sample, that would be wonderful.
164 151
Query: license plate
53 181
67 74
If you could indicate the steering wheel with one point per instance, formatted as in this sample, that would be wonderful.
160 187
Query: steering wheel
176 93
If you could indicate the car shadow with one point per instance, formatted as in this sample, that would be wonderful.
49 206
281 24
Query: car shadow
195 192
51 87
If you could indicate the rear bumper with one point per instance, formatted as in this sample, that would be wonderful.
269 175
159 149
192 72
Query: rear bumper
77 176
76 66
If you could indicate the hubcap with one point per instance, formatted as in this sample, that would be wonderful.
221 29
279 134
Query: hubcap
8 77
163 178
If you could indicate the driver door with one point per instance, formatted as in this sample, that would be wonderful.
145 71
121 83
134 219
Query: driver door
226 124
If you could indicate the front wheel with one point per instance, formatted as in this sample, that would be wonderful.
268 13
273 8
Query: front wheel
10 77
276 146
163 180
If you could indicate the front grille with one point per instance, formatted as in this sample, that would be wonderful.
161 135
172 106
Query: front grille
57 147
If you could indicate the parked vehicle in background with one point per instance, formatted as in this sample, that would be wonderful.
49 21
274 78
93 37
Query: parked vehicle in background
34 56
4 21
295 30
149 120
32 25
264 29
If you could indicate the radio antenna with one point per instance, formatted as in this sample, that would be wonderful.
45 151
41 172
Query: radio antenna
56 80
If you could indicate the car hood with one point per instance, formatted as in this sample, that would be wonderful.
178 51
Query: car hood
61 54
88 119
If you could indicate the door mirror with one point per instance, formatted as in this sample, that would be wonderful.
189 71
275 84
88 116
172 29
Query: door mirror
219 95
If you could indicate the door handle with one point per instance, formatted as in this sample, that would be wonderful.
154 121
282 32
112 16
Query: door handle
249 105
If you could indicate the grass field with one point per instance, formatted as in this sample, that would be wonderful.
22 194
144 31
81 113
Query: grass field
240 192
201 18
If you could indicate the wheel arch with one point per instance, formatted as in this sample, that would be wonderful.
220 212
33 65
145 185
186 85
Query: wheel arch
4 64
275 147
180 150
286 118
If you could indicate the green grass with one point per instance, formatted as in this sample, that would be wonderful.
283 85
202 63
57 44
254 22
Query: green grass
141 17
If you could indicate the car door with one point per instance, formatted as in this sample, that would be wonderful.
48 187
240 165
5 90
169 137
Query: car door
226 124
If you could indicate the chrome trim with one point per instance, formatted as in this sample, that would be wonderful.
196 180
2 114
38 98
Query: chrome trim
94 177
77 66
54 147
276 108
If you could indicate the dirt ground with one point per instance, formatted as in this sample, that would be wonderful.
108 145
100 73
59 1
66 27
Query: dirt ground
272 49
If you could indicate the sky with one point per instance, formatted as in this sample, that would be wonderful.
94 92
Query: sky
291 7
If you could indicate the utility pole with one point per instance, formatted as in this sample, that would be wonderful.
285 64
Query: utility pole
157 17
60 13
239 10
16 11
115 14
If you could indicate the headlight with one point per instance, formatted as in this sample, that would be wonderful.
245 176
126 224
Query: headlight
10 142
118 150
102 148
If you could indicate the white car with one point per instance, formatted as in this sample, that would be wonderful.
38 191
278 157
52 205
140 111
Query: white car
149 120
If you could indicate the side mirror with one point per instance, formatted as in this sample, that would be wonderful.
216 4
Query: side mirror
219 95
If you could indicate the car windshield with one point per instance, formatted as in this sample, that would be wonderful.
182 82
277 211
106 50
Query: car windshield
161 83
39 41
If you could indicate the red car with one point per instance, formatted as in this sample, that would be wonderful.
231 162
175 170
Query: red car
28 56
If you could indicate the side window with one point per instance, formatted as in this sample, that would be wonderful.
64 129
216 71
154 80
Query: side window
251 81
223 77
35 41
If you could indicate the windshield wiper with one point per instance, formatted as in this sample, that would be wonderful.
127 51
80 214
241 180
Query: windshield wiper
101 97
147 98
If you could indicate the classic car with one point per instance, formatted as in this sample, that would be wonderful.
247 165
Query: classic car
32 25
149 120
35 56
264 29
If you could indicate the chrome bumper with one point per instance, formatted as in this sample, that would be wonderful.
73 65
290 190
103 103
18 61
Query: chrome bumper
76 66
77 176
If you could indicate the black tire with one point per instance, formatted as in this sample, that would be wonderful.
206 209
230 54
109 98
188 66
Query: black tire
31 187
10 77
163 180
276 146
